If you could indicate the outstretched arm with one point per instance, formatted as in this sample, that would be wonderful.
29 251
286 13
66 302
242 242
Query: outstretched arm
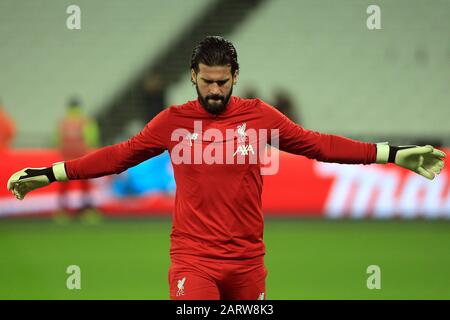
113 159
424 160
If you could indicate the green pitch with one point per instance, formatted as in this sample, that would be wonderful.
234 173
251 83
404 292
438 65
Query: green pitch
306 259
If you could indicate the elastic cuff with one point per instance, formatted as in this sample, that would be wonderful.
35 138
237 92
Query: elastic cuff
49 173
382 153
60 171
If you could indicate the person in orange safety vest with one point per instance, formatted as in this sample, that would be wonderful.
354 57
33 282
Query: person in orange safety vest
77 135
7 129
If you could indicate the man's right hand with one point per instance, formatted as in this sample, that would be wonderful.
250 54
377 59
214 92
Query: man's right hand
29 179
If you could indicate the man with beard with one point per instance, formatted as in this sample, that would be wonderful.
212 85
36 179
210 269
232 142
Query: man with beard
217 249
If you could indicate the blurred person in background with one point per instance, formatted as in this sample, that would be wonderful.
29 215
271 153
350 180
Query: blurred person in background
154 96
77 135
283 102
7 129
250 93
217 249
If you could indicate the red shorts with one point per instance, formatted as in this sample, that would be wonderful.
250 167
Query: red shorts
192 278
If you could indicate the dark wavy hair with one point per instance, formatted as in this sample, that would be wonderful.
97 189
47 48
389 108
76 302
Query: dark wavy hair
215 51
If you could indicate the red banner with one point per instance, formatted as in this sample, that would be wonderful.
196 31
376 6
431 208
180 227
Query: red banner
302 187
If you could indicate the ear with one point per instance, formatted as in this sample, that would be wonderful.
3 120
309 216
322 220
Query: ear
235 76
193 76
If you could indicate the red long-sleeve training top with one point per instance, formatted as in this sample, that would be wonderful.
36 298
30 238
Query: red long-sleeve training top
218 211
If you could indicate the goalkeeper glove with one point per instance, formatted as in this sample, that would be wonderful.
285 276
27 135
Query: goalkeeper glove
29 179
424 160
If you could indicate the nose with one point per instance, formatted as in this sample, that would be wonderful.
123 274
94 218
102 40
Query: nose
214 89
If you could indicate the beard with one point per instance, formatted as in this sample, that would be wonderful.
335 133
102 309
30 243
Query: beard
214 104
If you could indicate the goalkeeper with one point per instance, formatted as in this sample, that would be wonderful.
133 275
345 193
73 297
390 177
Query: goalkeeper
217 249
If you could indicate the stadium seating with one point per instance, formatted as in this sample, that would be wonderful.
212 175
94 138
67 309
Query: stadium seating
345 78
43 63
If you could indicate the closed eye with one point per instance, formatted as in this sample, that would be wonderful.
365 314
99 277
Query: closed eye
219 82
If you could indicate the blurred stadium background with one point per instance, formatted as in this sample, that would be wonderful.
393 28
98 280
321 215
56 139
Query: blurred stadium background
315 60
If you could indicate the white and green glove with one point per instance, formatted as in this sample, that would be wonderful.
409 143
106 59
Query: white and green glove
424 160
29 179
